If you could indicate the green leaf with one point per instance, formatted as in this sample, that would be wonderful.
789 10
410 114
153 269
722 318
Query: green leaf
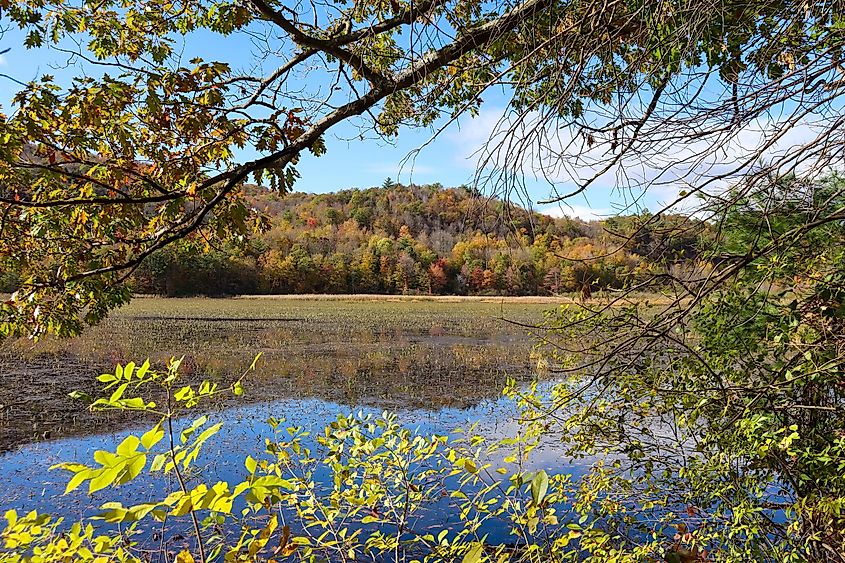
250 464
158 462
118 393
77 480
370 519
142 371
80 396
539 486
188 432
128 446
184 393
133 468
105 477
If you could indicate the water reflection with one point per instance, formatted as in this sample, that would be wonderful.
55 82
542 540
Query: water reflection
389 355
28 484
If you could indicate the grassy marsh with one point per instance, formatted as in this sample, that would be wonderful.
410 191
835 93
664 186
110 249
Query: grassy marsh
387 352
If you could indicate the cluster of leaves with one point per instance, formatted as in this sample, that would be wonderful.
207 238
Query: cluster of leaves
646 45
82 169
356 490
424 239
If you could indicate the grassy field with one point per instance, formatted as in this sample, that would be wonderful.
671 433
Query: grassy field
389 351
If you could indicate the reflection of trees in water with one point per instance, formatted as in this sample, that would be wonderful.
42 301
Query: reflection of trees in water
432 367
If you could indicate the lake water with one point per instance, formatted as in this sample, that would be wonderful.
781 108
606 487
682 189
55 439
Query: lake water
438 364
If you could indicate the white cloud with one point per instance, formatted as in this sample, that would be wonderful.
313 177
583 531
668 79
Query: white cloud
3 61
583 212
469 136
653 176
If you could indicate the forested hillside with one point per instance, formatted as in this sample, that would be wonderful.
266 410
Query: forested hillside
419 239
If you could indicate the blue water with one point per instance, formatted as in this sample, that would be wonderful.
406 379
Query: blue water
27 483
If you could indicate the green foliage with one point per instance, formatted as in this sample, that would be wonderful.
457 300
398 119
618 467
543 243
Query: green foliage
723 414
723 410
38 538
714 431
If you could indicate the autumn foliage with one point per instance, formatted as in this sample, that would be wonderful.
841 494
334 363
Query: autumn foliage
421 240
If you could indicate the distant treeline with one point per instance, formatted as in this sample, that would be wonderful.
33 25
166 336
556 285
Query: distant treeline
417 239
421 239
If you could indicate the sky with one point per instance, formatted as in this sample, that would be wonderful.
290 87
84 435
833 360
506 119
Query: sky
448 159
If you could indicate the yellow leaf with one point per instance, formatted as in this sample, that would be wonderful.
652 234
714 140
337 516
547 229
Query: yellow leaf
475 554
184 557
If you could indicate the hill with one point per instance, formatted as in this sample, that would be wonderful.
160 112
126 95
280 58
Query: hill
419 239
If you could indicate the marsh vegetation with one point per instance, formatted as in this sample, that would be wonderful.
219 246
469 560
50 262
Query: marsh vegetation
387 353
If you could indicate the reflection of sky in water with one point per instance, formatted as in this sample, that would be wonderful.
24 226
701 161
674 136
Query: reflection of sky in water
28 484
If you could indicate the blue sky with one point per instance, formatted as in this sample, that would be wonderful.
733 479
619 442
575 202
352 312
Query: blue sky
353 163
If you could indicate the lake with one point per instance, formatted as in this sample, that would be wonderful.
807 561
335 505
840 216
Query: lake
439 364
